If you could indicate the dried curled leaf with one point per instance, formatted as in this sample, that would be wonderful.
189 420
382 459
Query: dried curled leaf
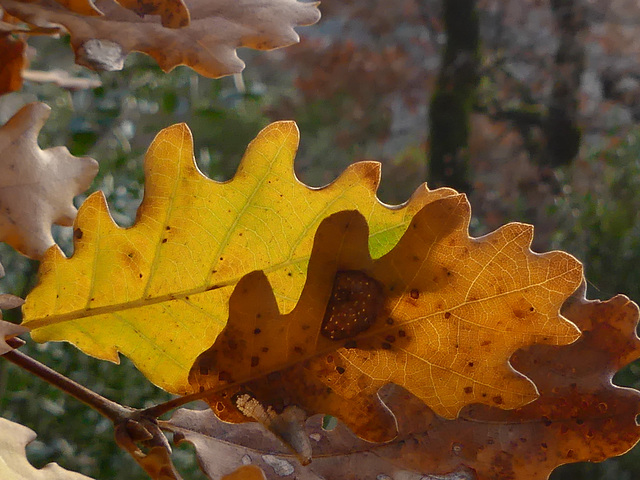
208 44
13 461
579 416
12 62
440 314
82 7
36 186
158 291
149 448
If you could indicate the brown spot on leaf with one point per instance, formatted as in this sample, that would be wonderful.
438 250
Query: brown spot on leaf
354 304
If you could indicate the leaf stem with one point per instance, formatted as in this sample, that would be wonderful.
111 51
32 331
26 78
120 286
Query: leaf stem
162 408
108 408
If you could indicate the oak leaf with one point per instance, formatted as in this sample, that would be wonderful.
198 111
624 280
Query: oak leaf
579 416
440 314
158 292
12 62
208 44
36 186
82 7
13 461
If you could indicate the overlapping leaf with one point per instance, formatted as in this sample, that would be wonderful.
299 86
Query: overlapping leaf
13 460
36 186
440 314
208 44
158 291
580 416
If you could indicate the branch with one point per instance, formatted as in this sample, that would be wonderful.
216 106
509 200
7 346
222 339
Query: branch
108 408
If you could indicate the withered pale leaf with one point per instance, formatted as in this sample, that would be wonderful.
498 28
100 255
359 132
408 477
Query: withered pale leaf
36 186
208 44
440 314
13 461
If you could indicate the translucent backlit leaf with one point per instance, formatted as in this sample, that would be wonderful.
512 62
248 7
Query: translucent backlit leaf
158 291
440 314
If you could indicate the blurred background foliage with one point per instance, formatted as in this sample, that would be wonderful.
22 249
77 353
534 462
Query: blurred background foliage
359 85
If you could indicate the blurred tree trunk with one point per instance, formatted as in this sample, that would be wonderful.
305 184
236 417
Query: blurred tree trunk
453 99
561 126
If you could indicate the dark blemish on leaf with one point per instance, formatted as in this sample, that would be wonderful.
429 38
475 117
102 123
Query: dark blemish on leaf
456 346
130 254
468 390
356 300
257 331
498 400
201 389
470 364
187 297
265 349
329 358
415 294
390 338
255 361
240 234
544 445
389 321
414 225
447 315
484 395
289 274
258 315
386 346
164 240
214 271
167 228
221 258
340 370
299 350
402 333
140 275
77 233
579 421
485 343
416 258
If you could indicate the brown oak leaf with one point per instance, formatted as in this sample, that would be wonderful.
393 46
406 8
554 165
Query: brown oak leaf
440 314
579 416
208 44
36 186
